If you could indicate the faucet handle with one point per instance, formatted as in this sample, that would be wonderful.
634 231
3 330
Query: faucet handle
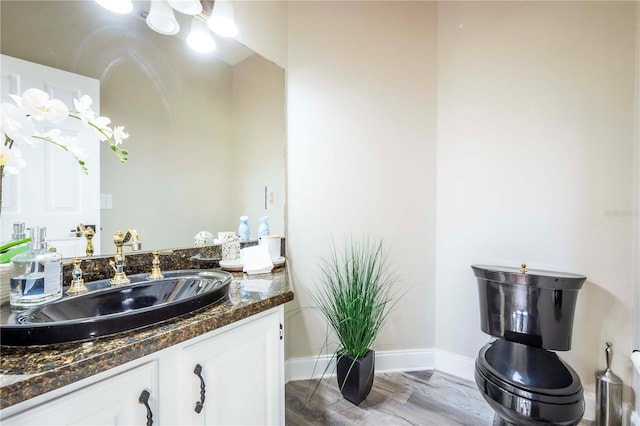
119 238
77 283
156 273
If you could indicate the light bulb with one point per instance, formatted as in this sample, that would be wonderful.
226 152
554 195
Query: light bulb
161 18
222 19
188 7
200 39
117 6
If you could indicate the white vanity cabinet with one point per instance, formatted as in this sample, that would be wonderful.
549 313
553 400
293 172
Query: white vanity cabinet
111 401
242 370
242 374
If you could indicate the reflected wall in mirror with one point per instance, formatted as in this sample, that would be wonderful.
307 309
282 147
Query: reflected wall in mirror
206 136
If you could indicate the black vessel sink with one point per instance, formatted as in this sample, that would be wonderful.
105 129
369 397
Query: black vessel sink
107 310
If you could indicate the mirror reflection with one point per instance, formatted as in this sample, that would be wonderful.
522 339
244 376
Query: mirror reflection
207 139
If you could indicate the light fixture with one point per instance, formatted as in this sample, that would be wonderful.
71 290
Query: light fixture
200 39
222 20
117 6
214 15
161 18
188 7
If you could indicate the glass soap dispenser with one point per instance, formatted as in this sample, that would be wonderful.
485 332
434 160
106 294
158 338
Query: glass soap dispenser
37 273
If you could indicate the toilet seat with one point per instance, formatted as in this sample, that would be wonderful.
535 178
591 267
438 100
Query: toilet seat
528 371
528 385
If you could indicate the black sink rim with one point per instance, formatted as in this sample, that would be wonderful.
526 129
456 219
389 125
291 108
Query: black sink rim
185 274
68 331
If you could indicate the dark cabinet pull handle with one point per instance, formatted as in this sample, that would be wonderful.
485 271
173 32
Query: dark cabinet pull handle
144 399
199 404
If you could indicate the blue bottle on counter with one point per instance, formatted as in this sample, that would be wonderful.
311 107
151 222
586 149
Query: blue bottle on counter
263 228
243 229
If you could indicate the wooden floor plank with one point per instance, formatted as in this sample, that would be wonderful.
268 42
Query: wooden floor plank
404 398
411 398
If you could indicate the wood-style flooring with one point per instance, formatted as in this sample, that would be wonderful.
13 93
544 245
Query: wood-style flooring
408 398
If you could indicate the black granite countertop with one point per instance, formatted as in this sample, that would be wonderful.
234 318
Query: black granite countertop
26 372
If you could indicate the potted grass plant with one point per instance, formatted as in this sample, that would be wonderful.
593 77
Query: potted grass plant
355 295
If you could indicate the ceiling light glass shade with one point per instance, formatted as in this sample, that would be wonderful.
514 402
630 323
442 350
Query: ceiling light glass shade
200 39
161 18
117 6
188 7
222 20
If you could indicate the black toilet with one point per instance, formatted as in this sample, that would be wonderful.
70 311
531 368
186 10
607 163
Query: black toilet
531 314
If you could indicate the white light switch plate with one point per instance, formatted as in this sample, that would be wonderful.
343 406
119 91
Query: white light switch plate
106 201
270 197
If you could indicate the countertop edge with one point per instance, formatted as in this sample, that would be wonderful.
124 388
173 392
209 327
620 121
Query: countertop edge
38 384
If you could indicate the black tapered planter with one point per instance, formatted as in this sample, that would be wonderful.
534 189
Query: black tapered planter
355 376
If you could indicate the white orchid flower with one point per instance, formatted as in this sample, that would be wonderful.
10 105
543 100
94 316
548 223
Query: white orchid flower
76 149
69 143
119 135
102 129
83 106
55 136
16 125
39 106
11 159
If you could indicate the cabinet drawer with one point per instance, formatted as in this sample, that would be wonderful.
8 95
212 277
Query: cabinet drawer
112 401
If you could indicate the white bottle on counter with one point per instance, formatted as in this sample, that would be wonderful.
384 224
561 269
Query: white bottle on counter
37 273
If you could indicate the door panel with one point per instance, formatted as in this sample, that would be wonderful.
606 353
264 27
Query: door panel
51 190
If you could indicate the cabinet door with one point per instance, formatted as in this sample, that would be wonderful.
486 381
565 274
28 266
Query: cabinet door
242 370
113 401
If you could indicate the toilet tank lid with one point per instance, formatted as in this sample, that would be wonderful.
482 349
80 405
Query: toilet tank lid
533 277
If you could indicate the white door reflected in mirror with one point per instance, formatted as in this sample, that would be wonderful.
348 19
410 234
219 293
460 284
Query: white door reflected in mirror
51 190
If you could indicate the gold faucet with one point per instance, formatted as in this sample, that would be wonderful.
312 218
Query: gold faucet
523 268
156 273
118 262
134 242
88 232
77 283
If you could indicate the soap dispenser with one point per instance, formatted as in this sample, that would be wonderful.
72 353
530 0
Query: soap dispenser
263 228
37 273
243 229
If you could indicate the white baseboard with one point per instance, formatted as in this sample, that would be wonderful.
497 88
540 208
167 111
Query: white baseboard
413 360
589 406
386 361
635 418
456 365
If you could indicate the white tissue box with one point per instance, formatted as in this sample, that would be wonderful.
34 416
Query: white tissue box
256 260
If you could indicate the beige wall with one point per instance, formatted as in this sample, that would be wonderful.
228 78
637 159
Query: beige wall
258 141
181 145
361 153
535 119
262 26
636 219
535 143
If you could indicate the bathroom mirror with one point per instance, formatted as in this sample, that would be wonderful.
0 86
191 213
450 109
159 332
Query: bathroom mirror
207 133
